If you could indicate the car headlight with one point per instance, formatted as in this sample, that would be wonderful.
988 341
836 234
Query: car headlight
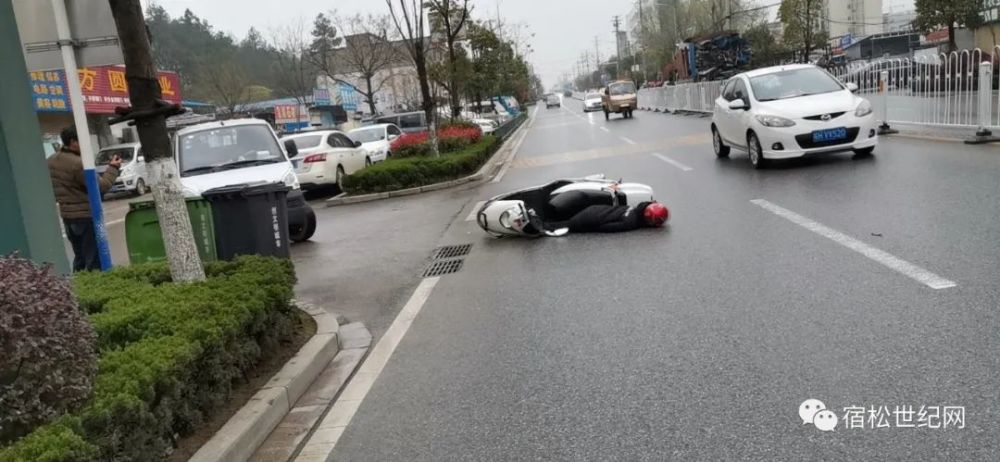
863 109
774 121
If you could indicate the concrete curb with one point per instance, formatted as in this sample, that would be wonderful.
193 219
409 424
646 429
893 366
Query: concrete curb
489 169
250 426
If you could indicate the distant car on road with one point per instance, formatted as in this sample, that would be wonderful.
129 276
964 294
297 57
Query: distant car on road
376 140
132 178
568 93
552 100
592 102
325 157
789 111
619 97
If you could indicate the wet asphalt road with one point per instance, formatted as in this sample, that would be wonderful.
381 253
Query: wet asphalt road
699 341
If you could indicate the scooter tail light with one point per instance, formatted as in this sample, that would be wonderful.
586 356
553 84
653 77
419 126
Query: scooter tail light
312 159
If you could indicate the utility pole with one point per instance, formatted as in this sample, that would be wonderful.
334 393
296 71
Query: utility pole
618 45
597 57
642 42
149 112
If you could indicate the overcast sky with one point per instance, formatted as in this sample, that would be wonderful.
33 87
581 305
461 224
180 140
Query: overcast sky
563 29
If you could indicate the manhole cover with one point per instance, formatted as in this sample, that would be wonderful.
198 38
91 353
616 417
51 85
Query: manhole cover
441 267
452 251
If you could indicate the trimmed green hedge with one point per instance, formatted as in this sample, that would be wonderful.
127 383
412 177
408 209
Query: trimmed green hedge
169 355
412 172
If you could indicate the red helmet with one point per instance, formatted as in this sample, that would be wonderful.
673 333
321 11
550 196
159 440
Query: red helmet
656 214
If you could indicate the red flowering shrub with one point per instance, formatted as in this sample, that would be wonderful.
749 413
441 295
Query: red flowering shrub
451 138
411 144
456 137
48 352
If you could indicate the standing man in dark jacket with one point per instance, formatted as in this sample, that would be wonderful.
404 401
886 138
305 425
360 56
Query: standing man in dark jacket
66 170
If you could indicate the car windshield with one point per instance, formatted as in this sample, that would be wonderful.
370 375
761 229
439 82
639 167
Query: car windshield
227 147
367 135
305 142
793 83
593 96
622 88
106 155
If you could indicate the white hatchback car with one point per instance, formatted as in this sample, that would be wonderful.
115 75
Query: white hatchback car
325 157
376 139
790 111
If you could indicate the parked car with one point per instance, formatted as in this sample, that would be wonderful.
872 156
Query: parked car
408 122
132 178
619 97
790 111
552 100
486 125
376 140
241 151
592 102
325 157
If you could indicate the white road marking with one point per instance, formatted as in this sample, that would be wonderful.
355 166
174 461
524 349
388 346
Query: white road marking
332 426
606 129
628 140
514 150
673 162
475 208
884 258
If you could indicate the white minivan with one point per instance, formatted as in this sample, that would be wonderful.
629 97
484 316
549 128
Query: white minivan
132 176
241 151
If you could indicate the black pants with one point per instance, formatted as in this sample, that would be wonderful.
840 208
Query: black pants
80 232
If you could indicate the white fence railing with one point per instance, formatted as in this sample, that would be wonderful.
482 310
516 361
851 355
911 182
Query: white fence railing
692 97
958 89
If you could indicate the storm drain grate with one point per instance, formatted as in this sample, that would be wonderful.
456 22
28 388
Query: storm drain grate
452 251
441 267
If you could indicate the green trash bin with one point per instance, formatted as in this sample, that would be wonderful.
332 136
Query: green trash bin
145 242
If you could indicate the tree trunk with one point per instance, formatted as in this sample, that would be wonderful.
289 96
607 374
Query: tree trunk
370 95
428 99
144 91
952 46
456 106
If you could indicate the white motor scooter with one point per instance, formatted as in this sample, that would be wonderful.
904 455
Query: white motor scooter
524 212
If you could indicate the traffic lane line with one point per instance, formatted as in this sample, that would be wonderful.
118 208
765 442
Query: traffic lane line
672 162
605 129
533 161
629 141
332 426
882 257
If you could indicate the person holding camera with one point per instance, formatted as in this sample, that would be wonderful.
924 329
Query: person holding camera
66 170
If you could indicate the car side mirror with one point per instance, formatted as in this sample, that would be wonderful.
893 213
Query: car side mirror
291 148
140 159
852 87
393 137
357 144
738 105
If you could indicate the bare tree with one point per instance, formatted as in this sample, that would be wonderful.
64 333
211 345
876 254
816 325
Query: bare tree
367 54
411 25
228 83
450 17
296 76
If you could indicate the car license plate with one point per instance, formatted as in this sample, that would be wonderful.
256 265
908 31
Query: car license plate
833 134
626 105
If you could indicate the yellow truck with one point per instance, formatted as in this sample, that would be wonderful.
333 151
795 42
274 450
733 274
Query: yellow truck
619 97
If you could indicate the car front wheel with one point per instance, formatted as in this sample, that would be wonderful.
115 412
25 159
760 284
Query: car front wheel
864 152
755 152
721 150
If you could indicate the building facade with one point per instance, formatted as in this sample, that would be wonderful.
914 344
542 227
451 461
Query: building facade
857 18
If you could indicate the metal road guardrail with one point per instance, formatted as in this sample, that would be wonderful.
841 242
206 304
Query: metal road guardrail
958 89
